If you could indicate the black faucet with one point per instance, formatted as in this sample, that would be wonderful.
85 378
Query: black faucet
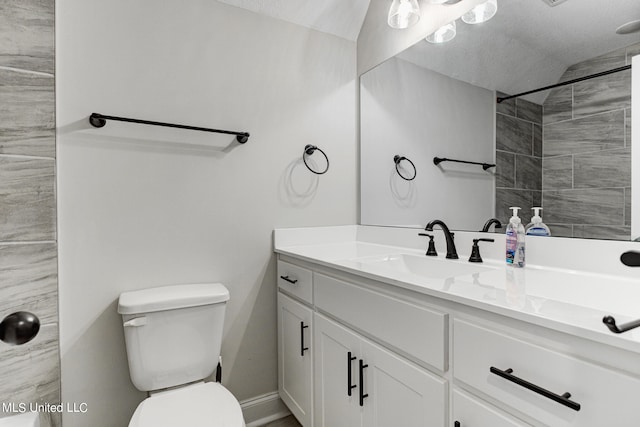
451 247
489 223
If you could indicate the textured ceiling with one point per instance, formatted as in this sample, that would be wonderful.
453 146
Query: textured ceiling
342 18
529 44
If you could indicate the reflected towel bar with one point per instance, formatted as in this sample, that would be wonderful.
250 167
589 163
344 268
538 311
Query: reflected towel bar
568 82
485 166
99 120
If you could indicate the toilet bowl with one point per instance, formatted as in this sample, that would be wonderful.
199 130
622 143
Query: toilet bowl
173 336
196 405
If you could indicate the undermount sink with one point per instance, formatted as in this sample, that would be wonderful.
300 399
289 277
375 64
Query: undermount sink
428 267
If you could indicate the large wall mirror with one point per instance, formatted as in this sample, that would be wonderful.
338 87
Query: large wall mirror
566 149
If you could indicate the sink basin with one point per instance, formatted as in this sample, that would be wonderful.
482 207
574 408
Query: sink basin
433 268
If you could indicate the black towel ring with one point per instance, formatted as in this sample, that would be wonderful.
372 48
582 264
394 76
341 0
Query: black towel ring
309 150
397 159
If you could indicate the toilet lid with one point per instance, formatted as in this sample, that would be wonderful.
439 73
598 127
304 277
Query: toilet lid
197 405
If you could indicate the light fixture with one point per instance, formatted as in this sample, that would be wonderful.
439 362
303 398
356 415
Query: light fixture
403 14
481 13
443 34
437 1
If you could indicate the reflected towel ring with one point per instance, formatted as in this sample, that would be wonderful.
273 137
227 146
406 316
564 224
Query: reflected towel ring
397 159
309 150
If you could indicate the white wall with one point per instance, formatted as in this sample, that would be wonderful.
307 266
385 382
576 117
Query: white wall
635 142
378 42
414 112
141 206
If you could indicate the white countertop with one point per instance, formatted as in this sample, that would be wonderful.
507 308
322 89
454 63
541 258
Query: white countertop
571 301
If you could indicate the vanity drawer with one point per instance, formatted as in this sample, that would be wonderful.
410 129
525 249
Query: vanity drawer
415 330
605 397
469 411
295 280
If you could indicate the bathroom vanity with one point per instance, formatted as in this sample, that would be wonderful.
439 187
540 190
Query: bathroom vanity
374 333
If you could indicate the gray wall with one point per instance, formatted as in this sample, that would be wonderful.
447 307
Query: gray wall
587 151
518 158
28 270
142 206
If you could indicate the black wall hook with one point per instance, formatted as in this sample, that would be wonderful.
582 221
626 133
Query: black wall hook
308 151
397 159
19 328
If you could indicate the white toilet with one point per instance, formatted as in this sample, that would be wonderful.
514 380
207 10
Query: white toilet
173 336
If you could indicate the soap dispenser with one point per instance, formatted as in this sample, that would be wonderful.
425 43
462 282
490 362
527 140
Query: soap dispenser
515 240
536 227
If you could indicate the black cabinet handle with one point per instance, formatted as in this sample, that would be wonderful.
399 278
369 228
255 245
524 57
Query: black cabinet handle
362 394
562 399
618 329
350 387
292 281
456 424
302 347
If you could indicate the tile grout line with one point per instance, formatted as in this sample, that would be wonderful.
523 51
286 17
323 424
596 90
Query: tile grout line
26 157
27 242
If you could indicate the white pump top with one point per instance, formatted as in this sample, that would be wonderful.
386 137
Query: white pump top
536 218
515 218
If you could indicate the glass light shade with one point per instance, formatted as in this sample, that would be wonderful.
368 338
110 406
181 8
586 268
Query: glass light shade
443 34
403 14
481 13
437 1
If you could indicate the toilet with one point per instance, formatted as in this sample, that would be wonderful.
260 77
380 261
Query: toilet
173 336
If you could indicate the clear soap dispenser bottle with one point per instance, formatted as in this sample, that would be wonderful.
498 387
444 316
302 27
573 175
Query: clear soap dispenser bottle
536 227
515 240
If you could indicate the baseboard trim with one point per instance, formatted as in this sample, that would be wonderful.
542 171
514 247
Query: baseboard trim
263 409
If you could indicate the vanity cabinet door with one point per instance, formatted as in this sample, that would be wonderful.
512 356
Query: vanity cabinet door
400 393
295 358
336 351
468 411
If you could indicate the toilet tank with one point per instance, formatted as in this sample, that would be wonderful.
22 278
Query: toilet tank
173 334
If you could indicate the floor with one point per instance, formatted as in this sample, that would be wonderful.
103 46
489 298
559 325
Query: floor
290 421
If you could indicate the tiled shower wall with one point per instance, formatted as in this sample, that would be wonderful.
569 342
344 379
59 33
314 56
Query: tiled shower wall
28 250
586 166
518 158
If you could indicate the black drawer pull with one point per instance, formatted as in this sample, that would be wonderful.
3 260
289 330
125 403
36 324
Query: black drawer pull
362 393
292 281
350 387
456 424
302 347
562 399
618 329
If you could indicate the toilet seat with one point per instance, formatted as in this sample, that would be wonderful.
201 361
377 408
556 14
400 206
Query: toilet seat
196 405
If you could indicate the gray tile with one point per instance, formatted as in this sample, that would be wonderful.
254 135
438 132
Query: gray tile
632 51
508 107
537 140
528 110
505 198
598 132
505 169
557 173
627 206
627 127
614 59
27 34
514 135
27 200
602 94
31 372
528 172
28 274
603 232
27 114
611 168
536 199
559 105
598 206
560 230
